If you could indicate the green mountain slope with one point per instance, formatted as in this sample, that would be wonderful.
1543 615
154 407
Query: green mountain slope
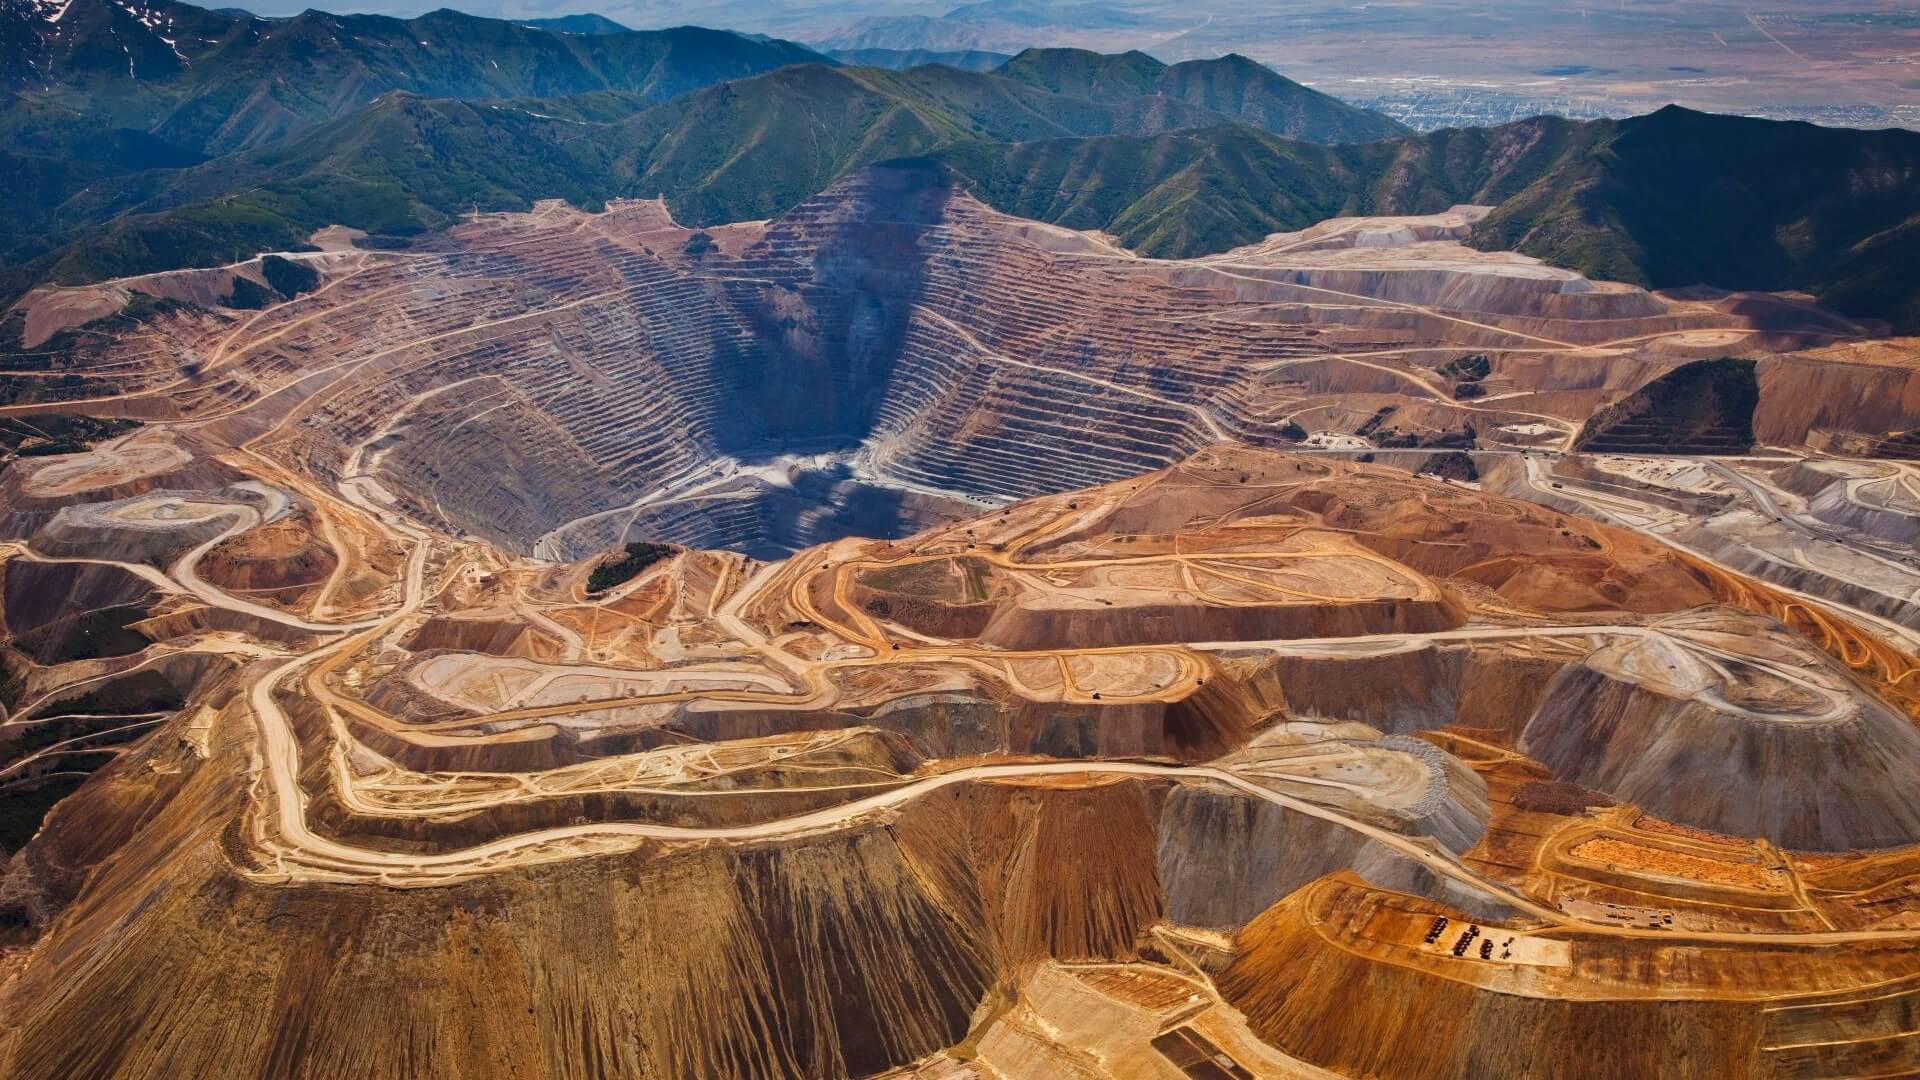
98 97
755 147
1086 74
743 149
1173 194
49 154
1680 197
577 24
1668 200
1232 86
401 165
1196 192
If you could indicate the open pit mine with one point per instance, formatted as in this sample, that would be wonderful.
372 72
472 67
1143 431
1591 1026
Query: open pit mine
899 639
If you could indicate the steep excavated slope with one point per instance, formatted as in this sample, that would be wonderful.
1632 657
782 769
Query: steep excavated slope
557 382
1655 726
827 959
1306 988
728 818
838 955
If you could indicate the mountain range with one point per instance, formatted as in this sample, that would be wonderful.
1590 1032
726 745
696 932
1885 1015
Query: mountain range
215 82
577 24
249 133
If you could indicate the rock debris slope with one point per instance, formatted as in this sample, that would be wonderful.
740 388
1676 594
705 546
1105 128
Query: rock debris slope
902 639
884 356
1269 754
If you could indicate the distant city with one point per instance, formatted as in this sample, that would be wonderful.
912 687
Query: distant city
1428 104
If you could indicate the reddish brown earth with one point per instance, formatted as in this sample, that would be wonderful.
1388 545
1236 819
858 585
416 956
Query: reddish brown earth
321 759
1245 726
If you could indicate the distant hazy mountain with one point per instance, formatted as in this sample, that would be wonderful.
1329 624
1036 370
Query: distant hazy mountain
1080 15
901 59
577 24
994 25
1231 86
908 33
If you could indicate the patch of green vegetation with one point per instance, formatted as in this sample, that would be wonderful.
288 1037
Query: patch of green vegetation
287 277
144 307
10 686
639 555
1707 403
954 581
1467 368
49 449
1468 390
1395 439
248 295
24 805
140 692
95 634
1373 422
1452 465
58 433
16 389
98 732
699 245
1292 432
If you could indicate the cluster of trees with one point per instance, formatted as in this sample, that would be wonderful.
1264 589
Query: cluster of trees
286 279
639 555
